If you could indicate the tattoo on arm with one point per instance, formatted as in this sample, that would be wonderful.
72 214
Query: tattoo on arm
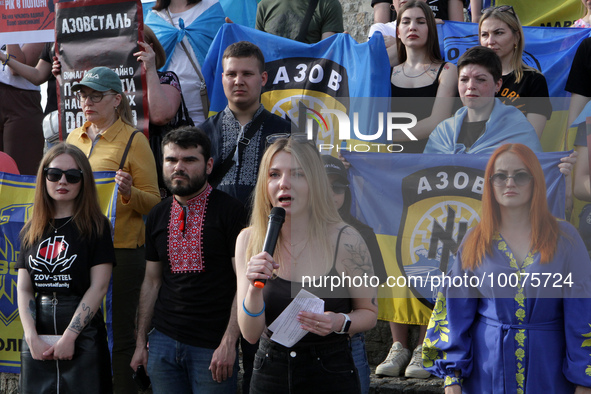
33 310
77 325
89 316
359 259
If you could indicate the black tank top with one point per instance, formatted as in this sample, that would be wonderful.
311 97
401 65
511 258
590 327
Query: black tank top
420 108
277 296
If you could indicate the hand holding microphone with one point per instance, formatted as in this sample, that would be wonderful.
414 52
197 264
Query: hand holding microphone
276 219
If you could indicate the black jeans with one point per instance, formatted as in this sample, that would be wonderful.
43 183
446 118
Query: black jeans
307 369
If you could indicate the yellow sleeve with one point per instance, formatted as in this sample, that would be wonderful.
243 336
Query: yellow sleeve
142 168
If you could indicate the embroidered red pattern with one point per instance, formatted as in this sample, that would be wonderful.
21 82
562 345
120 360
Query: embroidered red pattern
185 237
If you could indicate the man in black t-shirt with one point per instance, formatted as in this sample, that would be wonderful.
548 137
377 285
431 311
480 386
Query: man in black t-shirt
189 289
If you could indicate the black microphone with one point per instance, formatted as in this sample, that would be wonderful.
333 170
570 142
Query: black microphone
276 219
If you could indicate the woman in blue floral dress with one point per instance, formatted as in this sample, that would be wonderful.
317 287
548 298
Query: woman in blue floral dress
514 315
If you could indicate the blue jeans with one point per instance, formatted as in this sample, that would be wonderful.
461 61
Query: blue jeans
306 369
360 359
178 368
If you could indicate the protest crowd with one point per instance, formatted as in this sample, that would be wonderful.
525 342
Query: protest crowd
210 126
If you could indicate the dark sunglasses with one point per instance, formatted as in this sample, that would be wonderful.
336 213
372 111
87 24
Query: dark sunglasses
521 179
339 188
501 8
55 174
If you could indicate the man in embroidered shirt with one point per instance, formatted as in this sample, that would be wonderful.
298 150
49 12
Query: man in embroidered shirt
236 147
188 293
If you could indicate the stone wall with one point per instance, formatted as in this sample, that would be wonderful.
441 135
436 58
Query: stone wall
357 18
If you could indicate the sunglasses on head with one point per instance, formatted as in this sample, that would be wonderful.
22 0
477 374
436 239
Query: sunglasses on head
55 174
501 8
521 178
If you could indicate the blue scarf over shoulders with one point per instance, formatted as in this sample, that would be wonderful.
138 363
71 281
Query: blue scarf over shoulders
200 33
506 124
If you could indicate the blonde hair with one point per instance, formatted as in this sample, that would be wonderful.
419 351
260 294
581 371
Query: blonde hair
124 110
88 217
512 20
321 209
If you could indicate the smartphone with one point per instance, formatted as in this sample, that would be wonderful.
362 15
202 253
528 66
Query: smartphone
141 379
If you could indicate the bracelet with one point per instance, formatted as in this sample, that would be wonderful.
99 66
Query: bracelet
253 314
5 62
450 381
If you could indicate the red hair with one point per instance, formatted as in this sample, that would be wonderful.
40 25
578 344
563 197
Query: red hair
544 226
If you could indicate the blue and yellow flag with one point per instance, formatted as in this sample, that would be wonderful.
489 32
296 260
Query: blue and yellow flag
550 13
327 75
420 207
17 193
550 50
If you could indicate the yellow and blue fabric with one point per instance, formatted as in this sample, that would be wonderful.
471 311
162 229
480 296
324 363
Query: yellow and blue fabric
549 13
550 50
420 207
524 337
318 74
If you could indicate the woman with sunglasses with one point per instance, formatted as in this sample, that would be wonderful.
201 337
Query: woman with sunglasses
313 242
515 316
523 86
104 138
64 270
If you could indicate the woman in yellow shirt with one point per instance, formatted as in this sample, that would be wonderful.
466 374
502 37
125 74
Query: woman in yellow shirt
103 138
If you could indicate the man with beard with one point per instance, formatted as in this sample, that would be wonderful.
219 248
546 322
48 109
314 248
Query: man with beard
188 293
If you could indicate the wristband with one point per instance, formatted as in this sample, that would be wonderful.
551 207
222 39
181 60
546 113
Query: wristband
252 314
5 62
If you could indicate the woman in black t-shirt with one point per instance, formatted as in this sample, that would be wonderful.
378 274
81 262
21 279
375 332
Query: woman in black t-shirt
315 243
423 84
64 270
523 87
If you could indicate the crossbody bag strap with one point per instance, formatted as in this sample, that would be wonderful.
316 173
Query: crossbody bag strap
126 151
203 88
306 21
216 176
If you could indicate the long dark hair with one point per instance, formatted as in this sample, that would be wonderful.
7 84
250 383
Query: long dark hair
432 38
88 217
162 4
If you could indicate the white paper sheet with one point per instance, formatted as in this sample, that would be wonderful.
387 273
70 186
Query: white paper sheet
286 328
